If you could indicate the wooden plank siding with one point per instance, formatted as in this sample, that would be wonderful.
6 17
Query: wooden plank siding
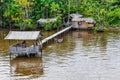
28 50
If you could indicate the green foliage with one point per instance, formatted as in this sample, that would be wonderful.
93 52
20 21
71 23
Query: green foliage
47 26
25 13
114 17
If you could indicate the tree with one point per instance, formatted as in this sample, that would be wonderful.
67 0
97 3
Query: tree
18 12
24 13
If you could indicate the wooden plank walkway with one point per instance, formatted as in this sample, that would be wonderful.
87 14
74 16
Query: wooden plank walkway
56 34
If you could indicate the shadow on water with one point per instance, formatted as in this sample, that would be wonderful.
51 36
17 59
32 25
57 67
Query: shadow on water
23 66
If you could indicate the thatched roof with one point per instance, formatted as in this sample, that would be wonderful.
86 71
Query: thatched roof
76 15
47 20
23 35
89 20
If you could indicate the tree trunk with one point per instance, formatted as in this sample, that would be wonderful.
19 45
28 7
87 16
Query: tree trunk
26 12
0 22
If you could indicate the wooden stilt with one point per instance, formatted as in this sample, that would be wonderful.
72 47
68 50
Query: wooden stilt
9 52
10 56
41 51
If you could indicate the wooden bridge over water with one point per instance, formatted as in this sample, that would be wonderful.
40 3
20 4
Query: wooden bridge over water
56 34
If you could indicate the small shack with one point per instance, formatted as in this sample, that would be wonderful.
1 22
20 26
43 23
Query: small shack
79 22
42 20
83 23
22 47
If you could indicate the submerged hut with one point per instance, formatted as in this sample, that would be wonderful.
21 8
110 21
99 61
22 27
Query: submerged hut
78 21
23 48
83 23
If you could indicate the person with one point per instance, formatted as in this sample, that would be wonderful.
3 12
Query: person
24 44
17 44
79 23
36 43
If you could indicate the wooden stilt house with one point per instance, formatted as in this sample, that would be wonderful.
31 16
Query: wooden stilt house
83 23
22 47
79 22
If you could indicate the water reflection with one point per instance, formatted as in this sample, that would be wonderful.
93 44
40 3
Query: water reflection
26 66
3 43
91 39
63 48
82 56
90 44
86 35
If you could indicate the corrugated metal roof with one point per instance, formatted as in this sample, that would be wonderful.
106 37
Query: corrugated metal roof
23 35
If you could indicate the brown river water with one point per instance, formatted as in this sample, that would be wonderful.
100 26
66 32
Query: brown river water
83 55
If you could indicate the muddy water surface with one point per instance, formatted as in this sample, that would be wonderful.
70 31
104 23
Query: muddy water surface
82 56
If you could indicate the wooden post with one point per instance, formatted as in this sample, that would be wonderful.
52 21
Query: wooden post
41 47
10 56
9 50
10 67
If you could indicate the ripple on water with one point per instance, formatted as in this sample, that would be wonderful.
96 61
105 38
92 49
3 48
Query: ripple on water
4 67
93 57
103 54
91 61
105 59
85 55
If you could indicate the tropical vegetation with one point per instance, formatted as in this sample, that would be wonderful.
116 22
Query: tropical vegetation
23 14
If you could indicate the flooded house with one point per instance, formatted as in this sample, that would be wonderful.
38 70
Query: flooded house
22 47
83 23
79 22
